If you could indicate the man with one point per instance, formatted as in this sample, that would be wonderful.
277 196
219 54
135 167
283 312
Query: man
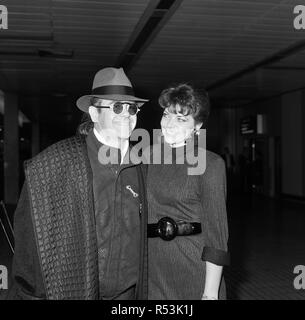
80 223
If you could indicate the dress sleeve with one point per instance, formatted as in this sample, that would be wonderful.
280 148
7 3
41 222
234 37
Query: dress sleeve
214 223
27 283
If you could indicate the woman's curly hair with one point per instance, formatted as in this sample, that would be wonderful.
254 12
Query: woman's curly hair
185 99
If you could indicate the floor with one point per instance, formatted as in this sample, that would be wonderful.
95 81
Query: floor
267 240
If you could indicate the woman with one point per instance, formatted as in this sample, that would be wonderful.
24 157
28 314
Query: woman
188 265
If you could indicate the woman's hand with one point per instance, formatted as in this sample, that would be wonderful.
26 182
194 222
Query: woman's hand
204 297
212 281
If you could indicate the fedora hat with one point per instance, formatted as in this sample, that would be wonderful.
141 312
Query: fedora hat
110 84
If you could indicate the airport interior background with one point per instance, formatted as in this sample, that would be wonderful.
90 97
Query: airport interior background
249 55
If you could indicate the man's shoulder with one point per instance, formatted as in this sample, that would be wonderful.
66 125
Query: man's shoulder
59 151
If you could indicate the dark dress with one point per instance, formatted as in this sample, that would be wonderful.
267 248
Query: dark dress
177 267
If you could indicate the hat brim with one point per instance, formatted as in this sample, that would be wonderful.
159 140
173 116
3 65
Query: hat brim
84 102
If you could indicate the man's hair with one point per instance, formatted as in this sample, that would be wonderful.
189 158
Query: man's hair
188 101
85 125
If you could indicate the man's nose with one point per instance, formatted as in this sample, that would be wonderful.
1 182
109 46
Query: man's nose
125 112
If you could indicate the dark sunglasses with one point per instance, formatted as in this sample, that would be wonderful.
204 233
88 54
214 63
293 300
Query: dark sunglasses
118 107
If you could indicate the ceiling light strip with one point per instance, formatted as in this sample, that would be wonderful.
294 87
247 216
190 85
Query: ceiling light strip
157 13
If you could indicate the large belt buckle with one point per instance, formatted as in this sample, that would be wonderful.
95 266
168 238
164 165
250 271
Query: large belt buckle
167 228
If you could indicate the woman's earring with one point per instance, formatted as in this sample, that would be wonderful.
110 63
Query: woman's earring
196 132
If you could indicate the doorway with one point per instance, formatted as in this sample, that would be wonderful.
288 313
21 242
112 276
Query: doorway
264 165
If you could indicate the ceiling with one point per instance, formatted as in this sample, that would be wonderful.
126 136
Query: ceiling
240 50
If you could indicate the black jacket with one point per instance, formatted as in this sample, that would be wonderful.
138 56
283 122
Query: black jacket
55 246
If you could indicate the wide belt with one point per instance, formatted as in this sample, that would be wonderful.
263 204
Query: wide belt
167 228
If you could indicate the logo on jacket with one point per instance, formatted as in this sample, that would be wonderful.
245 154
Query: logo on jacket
134 194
